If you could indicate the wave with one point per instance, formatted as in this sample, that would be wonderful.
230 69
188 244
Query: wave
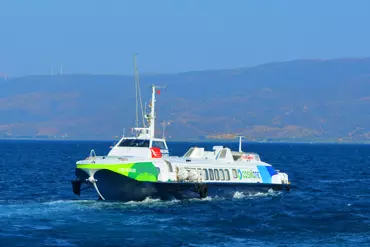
241 195
65 206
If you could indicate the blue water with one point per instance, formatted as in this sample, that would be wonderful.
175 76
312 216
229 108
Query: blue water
329 204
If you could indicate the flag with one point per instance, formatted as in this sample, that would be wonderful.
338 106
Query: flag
158 92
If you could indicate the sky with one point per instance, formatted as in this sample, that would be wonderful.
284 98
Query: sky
100 37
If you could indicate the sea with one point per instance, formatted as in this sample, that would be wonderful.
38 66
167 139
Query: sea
328 204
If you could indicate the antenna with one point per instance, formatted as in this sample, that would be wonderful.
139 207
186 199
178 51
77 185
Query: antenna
163 128
164 125
138 95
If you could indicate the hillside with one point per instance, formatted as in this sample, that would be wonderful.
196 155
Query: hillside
307 100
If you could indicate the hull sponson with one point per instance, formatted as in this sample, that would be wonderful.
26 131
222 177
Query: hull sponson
115 187
141 171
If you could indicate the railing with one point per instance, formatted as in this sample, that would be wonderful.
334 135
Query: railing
93 156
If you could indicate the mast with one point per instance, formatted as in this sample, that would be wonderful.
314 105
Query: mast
152 114
240 144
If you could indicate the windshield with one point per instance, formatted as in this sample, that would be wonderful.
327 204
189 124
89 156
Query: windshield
158 144
134 143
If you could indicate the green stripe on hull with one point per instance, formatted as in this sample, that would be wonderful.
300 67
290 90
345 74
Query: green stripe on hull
142 171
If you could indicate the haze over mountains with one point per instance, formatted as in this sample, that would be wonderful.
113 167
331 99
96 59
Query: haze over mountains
304 100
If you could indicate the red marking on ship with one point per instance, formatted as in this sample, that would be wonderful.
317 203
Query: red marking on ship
247 157
156 152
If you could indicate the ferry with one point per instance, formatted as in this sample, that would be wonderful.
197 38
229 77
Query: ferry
140 166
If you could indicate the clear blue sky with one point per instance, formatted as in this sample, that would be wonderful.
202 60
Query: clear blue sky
172 36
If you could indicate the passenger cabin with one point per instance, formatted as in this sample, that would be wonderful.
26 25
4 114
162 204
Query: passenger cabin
220 153
139 146
226 170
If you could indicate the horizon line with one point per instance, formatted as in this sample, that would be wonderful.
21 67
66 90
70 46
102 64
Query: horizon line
184 72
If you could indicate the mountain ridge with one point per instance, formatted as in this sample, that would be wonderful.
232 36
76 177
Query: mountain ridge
300 100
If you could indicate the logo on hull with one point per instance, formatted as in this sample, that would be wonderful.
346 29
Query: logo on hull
248 174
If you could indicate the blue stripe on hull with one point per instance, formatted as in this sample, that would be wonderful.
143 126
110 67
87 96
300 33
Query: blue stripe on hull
266 173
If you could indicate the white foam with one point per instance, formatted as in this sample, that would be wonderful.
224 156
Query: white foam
37 208
207 198
238 195
67 202
58 242
147 200
241 195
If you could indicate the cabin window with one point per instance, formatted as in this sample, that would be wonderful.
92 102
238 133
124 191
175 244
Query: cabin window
134 143
189 152
205 175
158 144
216 175
257 157
236 156
222 154
235 175
210 174
222 176
227 174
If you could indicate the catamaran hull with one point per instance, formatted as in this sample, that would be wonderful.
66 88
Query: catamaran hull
115 187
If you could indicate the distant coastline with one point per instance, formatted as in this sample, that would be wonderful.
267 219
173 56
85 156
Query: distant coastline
193 140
